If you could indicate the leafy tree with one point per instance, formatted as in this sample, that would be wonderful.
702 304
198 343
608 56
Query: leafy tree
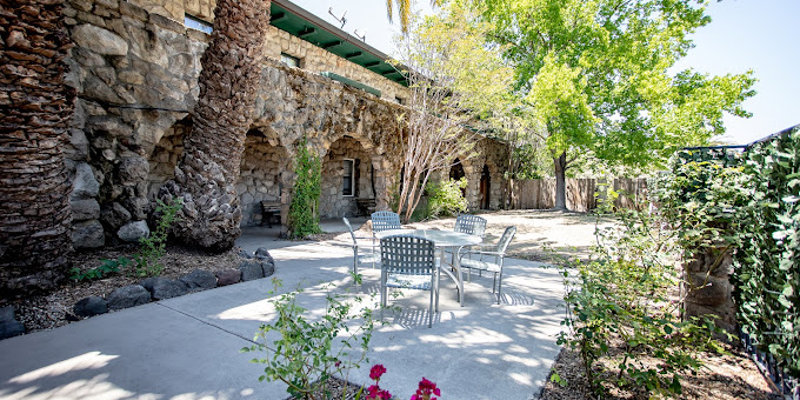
404 11
597 77
453 75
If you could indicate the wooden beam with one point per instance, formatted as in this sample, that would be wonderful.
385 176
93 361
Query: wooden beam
307 32
279 16
327 46
353 55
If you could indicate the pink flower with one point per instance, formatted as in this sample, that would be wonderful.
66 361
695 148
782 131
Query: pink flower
426 390
376 372
375 392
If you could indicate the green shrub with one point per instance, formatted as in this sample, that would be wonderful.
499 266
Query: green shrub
147 261
108 267
767 263
445 198
307 353
624 294
303 219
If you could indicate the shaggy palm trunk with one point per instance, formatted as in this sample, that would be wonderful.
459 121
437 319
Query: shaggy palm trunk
206 174
560 164
35 107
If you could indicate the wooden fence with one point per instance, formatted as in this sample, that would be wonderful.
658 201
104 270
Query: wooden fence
541 193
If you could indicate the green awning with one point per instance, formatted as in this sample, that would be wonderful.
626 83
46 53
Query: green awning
350 82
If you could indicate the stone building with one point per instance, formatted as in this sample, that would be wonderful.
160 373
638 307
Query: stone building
135 67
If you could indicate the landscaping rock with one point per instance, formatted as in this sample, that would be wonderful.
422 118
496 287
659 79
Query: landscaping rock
163 288
251 270
90 306
84 185
228 277
128 296
133 231
199 279
267 262
9 326
244 254
88 235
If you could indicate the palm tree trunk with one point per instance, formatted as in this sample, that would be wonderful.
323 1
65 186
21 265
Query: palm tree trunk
35 108
209 168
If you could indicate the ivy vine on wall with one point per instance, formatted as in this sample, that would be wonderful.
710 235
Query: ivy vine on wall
303 219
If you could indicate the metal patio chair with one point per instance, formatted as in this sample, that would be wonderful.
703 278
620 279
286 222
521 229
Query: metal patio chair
491 261
469 224
409 262
383 221
359 257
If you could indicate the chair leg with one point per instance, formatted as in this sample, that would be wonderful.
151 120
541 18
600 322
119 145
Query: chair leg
438 278
499 283
355 260
430 311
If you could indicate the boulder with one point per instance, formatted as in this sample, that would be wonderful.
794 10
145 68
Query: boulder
128 296
267 262
163 288
133 170
9 326
263 254
85 209
199 280
84 185
244 254
251 269
90 306
99 40
228 277
88 235
133 231
268 267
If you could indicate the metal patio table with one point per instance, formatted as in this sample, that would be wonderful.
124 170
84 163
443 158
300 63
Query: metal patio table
442 240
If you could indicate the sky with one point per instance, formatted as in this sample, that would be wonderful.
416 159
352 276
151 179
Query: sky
762 35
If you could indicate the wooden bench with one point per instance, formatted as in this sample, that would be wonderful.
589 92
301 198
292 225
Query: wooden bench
270 209
365 206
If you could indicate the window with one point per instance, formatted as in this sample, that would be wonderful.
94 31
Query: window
399 100
290 60
348 181
197 24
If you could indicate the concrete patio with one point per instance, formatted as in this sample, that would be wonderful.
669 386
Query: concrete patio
188 347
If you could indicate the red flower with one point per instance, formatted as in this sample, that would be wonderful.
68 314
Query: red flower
426 390
375 392
376 372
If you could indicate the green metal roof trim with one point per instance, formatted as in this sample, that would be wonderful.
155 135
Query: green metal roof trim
350 82
298 22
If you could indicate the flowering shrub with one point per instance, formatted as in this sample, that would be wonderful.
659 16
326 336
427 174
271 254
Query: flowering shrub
425 390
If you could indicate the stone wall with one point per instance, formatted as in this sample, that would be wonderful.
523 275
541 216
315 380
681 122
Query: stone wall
136 77
266 169
313 58
332 202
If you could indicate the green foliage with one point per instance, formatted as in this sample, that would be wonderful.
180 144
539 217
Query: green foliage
108 267
446 197
767 263
147 261
303 219
596 76
308 352
624 294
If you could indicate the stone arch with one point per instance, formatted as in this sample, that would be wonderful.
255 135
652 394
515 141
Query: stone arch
165 155
347 159
265 175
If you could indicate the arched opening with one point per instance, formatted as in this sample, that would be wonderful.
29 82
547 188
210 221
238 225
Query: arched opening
485 188
262 178
165 156
457 172
347 179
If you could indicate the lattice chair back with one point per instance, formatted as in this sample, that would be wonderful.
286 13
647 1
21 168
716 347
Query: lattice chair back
407 255
384 221
504 241
470 224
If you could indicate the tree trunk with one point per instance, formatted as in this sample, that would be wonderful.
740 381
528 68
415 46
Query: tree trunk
209 168
561 181
35 108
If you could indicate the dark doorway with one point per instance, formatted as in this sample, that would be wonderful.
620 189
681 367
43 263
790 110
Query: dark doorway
485 187
457 172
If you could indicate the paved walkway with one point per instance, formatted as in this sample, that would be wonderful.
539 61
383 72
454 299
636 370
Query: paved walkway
188 347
